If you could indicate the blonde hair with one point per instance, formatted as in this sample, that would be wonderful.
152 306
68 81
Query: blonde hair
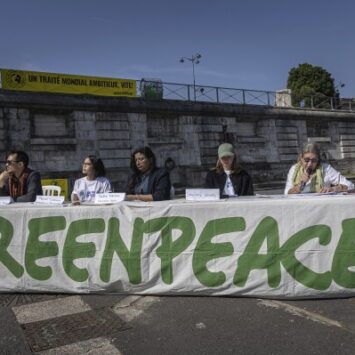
235 168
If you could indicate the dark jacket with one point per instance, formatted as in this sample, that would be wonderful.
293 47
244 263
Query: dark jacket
158 185
242 182
32 189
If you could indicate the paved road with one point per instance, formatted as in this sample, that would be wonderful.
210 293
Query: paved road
110 324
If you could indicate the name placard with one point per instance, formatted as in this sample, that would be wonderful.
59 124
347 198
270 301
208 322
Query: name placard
49 200
202 194
113 197
5 200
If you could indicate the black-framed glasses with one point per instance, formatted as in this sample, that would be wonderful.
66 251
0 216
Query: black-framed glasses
9 162
313 160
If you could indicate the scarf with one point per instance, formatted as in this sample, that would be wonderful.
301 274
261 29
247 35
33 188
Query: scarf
17 185
316 177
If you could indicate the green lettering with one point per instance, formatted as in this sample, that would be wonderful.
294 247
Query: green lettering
252 259
301 273
35 249
73 250
344 256
7 232
169 248
206 250
131 259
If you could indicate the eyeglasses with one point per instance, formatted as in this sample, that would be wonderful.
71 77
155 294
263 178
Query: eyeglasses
10 162
307 160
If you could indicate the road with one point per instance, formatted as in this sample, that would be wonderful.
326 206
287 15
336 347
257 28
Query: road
114 324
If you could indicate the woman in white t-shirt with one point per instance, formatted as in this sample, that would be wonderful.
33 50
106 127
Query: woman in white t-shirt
92 183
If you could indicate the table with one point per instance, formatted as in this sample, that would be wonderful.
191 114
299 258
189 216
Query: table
271 246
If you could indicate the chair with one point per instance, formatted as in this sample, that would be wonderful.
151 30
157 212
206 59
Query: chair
51 190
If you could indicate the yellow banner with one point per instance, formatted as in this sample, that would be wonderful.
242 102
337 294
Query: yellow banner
21 80
63 183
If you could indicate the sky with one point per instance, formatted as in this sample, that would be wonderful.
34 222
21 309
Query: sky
250 44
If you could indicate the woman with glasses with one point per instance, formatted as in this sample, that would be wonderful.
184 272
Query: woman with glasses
17 180
148 182
310 174
92 183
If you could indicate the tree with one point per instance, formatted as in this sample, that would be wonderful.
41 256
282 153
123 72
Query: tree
311 86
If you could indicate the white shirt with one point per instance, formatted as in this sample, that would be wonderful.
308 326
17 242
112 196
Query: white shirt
86 189
330 176
228 187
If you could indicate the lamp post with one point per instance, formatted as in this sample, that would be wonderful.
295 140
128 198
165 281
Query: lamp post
195 59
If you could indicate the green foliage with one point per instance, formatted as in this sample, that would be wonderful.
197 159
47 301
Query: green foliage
311 86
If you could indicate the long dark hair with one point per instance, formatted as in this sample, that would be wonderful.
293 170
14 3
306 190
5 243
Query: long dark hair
98 165
148 153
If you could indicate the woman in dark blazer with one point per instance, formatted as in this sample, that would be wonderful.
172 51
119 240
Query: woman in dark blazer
228 176
148 182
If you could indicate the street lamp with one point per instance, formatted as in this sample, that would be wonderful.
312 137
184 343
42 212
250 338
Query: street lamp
195 59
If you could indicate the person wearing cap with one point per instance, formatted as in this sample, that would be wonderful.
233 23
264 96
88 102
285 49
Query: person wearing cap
228 176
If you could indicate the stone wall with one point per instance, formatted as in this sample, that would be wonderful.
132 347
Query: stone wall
58 131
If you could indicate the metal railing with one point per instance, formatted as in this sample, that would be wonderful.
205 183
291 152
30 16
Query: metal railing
187 92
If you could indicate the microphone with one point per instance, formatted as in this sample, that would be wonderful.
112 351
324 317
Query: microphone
303 183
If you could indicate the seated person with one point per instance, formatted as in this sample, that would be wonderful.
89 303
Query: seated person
228 176
18 181
92 183
310 174
148 183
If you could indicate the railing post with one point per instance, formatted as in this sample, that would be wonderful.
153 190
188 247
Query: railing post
268 98
312 103
188 93
217 96
243 91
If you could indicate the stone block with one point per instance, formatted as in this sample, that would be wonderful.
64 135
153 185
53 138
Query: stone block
115 153
211 128
284 150
251 140
119 135
114 144
287 144
287 136
286 129
347 155
118 163
288 157
348 149
23 114
346 137
112 125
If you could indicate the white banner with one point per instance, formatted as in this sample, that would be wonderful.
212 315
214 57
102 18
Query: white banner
265 247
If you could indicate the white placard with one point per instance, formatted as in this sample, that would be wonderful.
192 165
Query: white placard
5 200
113 197
49 200
202 194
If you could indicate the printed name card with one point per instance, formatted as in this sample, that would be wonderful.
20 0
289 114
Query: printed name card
50 200
113 197
202 194
5 200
